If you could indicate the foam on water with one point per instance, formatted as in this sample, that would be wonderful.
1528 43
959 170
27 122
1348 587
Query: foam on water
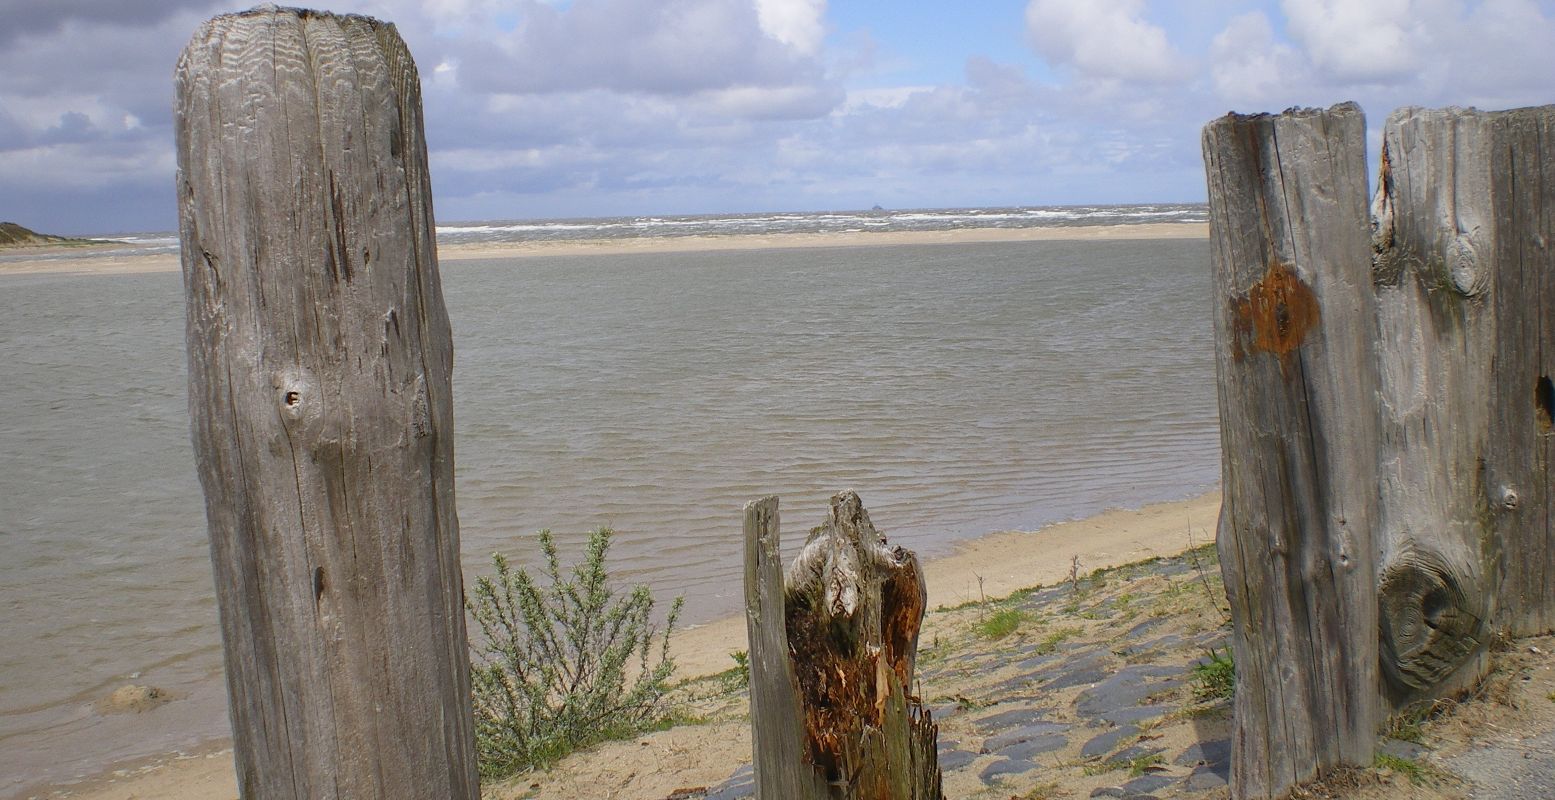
822 222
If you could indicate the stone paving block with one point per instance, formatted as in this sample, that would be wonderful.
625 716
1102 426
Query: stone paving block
1008 766
1010 686
1039 744
1124 716
1029 665
1214 751
1137 751
1206 778
1209 640
1146 784
741 784
1022 734
1138 631
1040 599
950 760
1156 645
1012 718
1124 688
1107 741
1081 672
946 710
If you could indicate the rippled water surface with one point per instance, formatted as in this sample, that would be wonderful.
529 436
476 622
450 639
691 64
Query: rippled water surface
960 389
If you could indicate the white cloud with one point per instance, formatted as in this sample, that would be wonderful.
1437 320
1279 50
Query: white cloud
796 23
667 47
1377 41
1103 40
885 97
758 102
1386 54
1249 68
1504 54
86 166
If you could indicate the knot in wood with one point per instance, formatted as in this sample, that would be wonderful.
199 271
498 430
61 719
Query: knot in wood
1463 267
1431 619
296 394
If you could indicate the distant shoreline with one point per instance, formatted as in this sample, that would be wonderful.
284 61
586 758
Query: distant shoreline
120 264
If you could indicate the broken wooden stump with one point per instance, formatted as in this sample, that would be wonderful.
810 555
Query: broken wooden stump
832 651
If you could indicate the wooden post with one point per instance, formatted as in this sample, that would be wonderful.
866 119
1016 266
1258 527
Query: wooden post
320 359
1434 250
1464 281
832 650
1521 449
1294 331
777 718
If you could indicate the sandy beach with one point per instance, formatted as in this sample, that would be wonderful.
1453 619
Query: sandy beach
992 566
47 260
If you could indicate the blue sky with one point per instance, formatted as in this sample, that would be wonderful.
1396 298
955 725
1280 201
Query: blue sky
618 107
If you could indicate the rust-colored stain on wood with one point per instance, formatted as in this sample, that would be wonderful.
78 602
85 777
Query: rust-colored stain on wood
1275 314
836 675
845 681
903 606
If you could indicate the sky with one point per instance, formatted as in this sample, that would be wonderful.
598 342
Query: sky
579 108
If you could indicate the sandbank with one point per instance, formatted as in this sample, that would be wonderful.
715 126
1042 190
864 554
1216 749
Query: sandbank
113 260
991 566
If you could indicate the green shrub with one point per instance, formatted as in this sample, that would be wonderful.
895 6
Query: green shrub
742 669
1001 623
1216 677
1051 641
1416 772
565 665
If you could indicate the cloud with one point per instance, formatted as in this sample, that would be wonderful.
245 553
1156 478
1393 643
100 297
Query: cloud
1503 53
27 17
796 23
586 107
763 103
654 46
1492 54
1103 40
96 67
1249 68
1379 41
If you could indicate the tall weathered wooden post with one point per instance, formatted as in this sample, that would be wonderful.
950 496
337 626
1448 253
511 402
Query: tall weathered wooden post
832 650
320 361
1385 416
1291 248
1465 280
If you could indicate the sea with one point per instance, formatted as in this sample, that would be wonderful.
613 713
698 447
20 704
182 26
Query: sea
960 389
